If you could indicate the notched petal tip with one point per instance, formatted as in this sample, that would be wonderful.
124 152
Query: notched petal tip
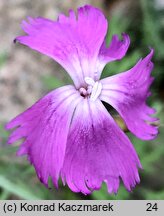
116 49
7 126
16 40
151 50
126 38
150 55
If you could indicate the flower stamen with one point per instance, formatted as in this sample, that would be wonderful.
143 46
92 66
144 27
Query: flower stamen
94 88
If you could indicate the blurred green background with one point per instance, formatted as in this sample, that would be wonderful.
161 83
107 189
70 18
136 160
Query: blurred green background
25 76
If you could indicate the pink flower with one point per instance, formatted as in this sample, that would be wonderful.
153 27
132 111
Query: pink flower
69 133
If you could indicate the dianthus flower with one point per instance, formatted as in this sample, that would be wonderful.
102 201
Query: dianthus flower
69 133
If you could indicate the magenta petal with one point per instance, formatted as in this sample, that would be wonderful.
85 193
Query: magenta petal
127 93
116 50
97 150
72 41
45 128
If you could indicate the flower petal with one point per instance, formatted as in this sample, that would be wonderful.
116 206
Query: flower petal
97 150
116 50
72 42
127 93
45 128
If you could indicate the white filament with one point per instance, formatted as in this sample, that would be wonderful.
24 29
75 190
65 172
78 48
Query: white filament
94 88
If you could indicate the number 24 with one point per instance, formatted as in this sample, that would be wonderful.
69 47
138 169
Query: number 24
152 207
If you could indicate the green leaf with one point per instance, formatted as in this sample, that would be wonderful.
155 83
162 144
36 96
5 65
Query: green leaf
20 190
4 195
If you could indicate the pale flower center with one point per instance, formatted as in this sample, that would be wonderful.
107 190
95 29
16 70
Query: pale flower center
93 89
